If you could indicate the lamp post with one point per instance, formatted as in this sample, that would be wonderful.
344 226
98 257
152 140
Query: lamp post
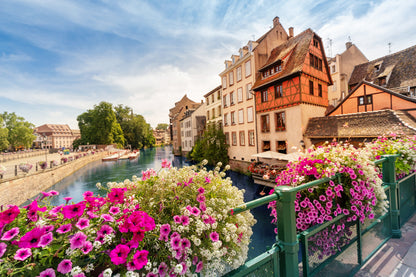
45 140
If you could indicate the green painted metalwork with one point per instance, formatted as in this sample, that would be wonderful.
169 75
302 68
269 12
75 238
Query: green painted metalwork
282 259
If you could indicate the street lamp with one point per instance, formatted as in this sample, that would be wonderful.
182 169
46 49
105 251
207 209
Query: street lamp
45 140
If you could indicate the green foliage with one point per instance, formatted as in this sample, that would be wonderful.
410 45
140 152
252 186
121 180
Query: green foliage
137 131
19 132
211 146
162 126
100 126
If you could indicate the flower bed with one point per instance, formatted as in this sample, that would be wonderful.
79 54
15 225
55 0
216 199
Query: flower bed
264 170
170 223
25 167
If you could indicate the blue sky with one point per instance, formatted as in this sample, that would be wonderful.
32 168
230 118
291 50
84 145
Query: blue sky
58 58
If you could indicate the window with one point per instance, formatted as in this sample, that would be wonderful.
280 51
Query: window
225 119
333 69
212 98
241 116
310 87
240 95
319 90
218 95
265 123
281 146
248 91
315 62
213 113
365 100
251 138
266 145
280 120
231 78
278 68
264 96
247 70
208 115
224 82
238 73
250 114
278 91
225 100
234 138
232 118
315 43
382 81
232 102
219 110
227 138
242 138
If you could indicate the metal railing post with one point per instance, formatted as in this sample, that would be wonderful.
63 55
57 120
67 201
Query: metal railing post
287 237
389 178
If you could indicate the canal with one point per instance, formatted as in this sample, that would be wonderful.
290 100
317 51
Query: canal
117 171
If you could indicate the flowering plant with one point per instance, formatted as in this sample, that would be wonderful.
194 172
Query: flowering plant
267 171
43 165
174 222
55 162
64 160
357 193
25 167
194 231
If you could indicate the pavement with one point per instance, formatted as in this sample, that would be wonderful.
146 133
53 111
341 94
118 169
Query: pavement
396 258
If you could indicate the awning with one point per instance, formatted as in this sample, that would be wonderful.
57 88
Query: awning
278 156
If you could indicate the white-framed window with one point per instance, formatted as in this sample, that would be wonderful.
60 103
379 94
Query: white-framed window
239 73
240 94
232 98
250 115
224 82
241 116
225 119
247 68
248 91
232 118
231 78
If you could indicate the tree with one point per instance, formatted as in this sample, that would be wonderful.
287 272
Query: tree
211 146
4 132
137 131
162 126
19 132
100 126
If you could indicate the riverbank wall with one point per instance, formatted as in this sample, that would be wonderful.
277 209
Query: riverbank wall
17 191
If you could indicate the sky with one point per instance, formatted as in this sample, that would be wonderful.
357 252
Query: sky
59 58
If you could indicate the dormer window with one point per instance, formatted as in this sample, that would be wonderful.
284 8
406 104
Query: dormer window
241 53
377 66
233 60
250 46
382 81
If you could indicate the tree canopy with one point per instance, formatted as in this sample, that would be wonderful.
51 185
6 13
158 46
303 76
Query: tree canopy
162 126
15 132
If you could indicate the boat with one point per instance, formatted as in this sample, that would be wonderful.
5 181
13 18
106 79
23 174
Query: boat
134 155
113 157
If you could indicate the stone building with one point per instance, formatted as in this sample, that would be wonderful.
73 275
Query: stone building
192 127
238 104
341 67
55 136
213 107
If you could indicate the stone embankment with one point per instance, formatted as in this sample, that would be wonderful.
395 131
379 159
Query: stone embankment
19 189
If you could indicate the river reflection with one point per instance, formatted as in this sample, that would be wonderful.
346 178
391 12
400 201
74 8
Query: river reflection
117 171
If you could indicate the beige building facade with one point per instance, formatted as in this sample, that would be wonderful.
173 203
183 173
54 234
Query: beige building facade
213 106
55 136
238 101
192 127
341 67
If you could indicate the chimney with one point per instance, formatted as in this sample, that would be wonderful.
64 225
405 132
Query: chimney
348 44
290 32
275 21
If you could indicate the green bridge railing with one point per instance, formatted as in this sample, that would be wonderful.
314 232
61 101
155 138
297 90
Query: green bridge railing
283 259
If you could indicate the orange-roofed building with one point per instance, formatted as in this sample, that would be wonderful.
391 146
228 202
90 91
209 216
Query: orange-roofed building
55 136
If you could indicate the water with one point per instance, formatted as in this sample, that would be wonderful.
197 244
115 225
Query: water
117 171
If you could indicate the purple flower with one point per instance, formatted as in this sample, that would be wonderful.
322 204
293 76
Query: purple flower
22 254
82 223
32 238
195 211
119 254
322 197
87 247
49 272
46 239
175 242
3 248
78 240
207 180
105 230
10 234
184 220
163 269
165 229
67 199
201 190
199 267
185 243
71 211
177 219
64 229
107 217
114 210
88 194
200 198
65 266
214 236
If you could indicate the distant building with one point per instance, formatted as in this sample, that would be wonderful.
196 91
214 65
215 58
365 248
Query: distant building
55 136
192 127
291 88
175 115
341 67
213 105
396 72
162 137
238 104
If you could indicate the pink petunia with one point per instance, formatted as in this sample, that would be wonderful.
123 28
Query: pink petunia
105 230
49 272
162 269
119 254
88 194
10 234
3 248
140 259
107 217
175 242
46 239
71 211
214 236
67 199
86 247
165 229
82 223
22 254
199 267
78 240
184 220
201 190
32 238
65 266
64 229
116 195
114 210
177 219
